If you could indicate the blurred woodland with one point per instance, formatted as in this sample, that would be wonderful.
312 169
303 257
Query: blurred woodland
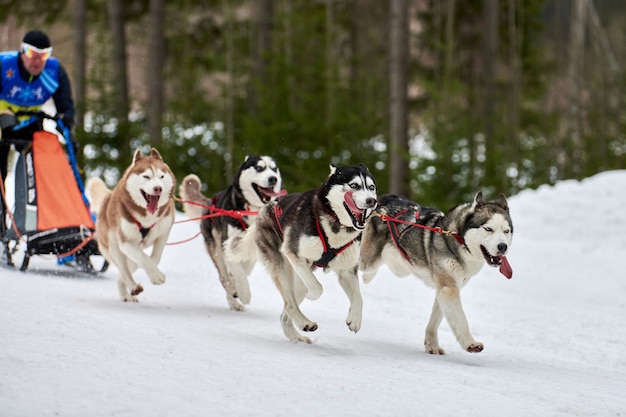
439 98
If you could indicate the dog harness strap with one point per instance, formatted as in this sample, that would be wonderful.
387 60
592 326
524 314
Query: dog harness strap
278 212
143 230
395 236
329 253
322 235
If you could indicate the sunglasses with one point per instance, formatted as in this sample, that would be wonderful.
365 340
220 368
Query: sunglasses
32 52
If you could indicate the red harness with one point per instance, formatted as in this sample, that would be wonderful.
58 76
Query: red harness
392 225
143 230
220 212
329 253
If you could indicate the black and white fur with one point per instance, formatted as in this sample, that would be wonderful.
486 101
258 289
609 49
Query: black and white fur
481 233
291 247
257 183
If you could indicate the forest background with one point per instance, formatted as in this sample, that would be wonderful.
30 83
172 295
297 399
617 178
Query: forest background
439 98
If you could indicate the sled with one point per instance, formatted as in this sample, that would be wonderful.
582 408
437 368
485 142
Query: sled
50 214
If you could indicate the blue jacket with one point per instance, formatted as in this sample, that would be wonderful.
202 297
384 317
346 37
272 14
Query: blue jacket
20 90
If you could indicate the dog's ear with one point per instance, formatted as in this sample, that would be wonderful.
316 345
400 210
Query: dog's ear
333 169
137 156
155 154
501 201
478 200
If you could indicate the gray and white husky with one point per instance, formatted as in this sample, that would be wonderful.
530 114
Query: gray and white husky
444 250
258 182
318 228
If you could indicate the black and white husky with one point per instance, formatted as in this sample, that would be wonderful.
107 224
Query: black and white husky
444 250
257 183
318 228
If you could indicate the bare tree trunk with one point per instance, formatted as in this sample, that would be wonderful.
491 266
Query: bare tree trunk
262 42
156 59
576 60
80 66
446 22
229 90
488 73
287 13
449 43
515 41
121 107
330 59
398 101
611 91
600 38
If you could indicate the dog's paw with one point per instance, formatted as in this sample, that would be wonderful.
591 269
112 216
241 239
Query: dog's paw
475 347
354 321
234 304
300 338
137 290
433 349
157 277
129 298
309 327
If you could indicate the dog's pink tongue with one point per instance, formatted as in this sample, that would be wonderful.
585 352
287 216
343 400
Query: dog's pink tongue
351 204
281 193
505 268
153 203
269 191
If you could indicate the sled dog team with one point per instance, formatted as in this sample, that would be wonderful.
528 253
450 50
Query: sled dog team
344 226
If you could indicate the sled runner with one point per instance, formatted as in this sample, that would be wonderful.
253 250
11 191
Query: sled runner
49 213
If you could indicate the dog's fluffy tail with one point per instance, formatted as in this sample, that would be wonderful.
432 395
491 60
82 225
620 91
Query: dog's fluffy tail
96 190
242 246
193 199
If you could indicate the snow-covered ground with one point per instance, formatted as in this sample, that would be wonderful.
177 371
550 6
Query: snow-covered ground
554 335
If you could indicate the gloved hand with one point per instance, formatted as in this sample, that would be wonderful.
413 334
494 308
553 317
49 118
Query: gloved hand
7 119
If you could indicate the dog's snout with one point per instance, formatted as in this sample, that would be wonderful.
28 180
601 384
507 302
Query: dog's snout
272 181
371 202
157 189
502 248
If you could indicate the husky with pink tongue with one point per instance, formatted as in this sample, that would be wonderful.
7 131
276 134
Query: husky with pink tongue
136 215
229 214
444 250
318 228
